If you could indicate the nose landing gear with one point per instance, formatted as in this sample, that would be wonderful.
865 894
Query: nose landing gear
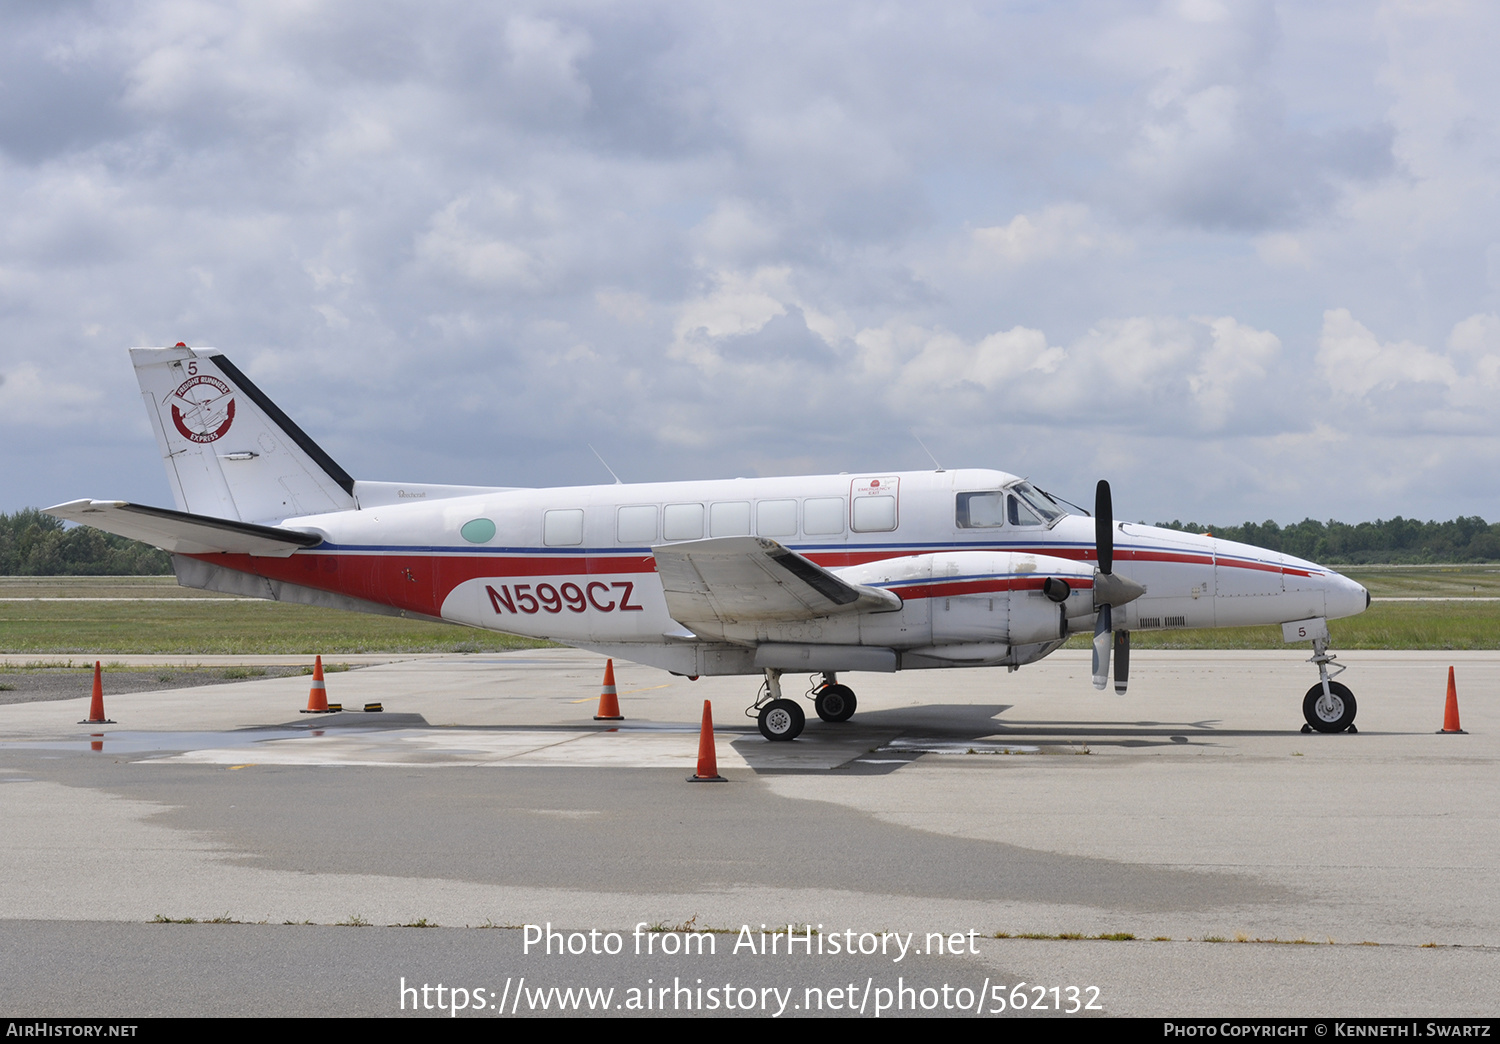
1328 705
1331 711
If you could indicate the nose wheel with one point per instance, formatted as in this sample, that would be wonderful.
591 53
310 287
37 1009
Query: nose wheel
1332 711
1328 706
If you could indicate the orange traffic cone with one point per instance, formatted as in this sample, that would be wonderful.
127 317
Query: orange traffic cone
317 696
1450 710
609 706
708 761
96 705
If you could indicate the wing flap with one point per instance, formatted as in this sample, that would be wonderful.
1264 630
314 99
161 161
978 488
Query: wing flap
184 533
729 580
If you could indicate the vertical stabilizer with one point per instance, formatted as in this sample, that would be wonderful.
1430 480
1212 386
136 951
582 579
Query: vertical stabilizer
229 450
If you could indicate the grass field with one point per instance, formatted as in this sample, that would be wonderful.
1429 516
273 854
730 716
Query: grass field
1385 625
1428 581
154 615
1457 618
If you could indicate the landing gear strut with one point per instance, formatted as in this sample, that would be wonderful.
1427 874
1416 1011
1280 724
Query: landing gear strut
1328 706
834 702
779 719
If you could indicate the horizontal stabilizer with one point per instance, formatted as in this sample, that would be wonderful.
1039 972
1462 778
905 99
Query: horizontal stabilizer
737 579
182 533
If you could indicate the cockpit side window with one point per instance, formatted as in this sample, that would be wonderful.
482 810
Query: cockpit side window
980 510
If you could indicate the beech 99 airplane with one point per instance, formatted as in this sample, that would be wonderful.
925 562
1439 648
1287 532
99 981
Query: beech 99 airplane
817 574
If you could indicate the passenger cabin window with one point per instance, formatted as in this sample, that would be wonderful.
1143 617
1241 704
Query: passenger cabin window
776 518
682 522
729 520
478 530
874 514
637 525
823 516
980 510
563 528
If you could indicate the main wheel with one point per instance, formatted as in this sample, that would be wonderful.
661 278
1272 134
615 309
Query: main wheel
781 720
835 702
1331 713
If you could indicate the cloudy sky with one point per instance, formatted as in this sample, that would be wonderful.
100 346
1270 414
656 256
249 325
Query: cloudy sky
1242 259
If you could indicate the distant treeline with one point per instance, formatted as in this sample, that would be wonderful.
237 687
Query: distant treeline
34 544
1394 541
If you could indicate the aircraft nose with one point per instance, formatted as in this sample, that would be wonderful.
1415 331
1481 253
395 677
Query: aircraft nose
1345 597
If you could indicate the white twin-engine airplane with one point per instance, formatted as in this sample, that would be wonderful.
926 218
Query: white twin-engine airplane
819 574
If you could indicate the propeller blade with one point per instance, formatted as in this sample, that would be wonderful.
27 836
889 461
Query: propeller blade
1102 641
1104 527
1109 589
1122 661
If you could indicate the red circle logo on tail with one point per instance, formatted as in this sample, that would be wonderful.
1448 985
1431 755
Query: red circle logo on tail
203 408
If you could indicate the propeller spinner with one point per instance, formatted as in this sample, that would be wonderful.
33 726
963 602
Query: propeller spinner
1109 591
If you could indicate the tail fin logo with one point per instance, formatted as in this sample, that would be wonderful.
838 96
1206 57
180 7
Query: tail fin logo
203 408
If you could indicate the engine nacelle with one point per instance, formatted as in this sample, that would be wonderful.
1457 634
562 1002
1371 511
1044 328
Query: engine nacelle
980 597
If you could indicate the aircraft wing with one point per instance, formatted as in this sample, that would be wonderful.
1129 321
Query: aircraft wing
183 533
730 580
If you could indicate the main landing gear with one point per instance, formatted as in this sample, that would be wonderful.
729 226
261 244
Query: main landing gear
834 702
1328 706
780 719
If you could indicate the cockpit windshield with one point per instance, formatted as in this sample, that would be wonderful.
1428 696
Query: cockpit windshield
1020 504
1049 509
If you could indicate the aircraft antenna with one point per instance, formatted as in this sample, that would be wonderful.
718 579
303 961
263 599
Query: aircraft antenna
606 464
927 451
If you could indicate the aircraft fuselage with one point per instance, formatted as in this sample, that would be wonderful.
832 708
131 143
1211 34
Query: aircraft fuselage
575 564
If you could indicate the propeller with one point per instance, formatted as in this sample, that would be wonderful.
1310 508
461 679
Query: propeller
1109 591
1122 661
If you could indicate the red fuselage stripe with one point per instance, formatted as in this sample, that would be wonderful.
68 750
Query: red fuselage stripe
421 582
